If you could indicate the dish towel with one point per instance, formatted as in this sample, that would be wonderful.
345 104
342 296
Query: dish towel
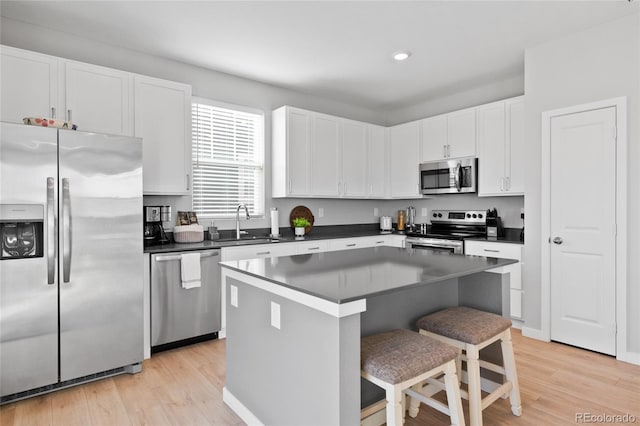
190 270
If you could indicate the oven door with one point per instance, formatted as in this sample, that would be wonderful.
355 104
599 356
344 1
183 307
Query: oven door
448 177
435 244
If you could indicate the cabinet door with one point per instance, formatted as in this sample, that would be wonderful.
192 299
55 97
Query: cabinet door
163 121
98 99
376 160
354 159
404 153
434 138
461 133
515 146
491 149
298 135
325 155
28 85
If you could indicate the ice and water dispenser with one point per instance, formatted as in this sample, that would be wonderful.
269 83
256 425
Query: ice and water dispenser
21 229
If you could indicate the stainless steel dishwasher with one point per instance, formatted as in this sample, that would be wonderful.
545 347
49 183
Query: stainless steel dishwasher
182 316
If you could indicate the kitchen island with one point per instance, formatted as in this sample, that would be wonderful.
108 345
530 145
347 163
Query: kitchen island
294 323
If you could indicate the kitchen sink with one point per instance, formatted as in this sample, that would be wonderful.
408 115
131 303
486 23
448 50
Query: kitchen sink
246 241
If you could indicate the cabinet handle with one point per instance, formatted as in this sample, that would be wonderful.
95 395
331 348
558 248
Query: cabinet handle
351 245
53 112
188 181
444 151
289 185
492 251
448 150
313 248
263 252
379 242
501 184
69 115
507 182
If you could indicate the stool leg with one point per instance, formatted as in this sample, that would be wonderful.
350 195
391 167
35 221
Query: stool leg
452 386
394 406
475 392
459 368
510 372
414 403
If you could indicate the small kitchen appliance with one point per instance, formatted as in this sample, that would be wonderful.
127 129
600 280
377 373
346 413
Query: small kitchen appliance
385 224
153 230
448 230
411 219
402 217
494 224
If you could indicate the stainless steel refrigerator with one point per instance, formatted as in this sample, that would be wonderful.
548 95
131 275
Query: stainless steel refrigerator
71 270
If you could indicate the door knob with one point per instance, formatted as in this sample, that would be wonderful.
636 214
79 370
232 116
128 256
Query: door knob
557 240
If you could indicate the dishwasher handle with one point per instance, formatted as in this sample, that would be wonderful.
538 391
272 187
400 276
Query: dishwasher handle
178 257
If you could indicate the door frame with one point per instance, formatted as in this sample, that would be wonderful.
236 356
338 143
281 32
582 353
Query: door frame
621 220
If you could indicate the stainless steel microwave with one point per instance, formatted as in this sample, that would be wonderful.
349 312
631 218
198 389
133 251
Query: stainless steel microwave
449 177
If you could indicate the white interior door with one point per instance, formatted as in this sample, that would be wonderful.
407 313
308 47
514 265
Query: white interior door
583 246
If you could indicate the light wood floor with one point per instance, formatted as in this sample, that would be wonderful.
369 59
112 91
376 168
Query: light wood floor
184 387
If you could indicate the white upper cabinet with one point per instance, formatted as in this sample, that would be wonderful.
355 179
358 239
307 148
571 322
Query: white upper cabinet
163 121
434 138
354 159
450 135
98 99
515 145
28 85
325 155
376 161
319 155
404 153
500 148
291 149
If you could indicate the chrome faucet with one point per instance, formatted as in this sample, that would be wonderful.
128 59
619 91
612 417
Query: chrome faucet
238 231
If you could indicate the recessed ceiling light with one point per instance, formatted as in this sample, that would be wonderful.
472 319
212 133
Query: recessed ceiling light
401 55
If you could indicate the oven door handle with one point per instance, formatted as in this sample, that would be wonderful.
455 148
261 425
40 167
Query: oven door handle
458 177
435 246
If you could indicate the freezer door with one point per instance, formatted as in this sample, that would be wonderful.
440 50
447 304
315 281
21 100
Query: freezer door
101 254
28 287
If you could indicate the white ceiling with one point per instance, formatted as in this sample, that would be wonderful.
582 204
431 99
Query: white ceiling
338 50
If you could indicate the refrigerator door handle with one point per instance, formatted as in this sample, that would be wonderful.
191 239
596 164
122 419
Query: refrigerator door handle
52 240
66 231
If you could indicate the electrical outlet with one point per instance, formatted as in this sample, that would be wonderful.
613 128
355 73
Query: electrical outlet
234 295
320 212
376 213
275 315
424 212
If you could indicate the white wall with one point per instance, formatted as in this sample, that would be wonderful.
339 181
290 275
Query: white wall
596 64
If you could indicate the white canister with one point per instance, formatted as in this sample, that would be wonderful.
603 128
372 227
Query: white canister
385 223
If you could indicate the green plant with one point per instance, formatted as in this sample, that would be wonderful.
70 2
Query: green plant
300 222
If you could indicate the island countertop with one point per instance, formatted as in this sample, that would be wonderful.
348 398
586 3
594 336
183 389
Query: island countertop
345 276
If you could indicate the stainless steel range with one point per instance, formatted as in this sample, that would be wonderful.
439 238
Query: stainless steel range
448 230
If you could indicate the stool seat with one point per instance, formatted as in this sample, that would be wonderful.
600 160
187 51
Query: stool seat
399 355
464 324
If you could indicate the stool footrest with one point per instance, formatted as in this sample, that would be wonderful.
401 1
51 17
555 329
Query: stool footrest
493 396
428 401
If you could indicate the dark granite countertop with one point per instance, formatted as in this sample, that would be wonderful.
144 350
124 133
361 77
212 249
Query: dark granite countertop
260 236
345 276
511 235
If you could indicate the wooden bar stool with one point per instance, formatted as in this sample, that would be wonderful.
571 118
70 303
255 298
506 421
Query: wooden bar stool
472 330
399 359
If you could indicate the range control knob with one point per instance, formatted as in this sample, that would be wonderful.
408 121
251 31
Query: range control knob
474 215
435 215
468 215
480 215
439 214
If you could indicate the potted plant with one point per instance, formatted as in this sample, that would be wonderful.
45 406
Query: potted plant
299 223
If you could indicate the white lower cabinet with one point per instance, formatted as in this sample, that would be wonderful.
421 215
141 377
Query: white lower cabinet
503 251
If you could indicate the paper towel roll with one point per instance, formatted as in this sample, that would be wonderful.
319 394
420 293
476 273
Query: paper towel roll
275 229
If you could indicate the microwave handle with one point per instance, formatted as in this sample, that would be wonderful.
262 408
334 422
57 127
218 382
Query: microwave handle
458 177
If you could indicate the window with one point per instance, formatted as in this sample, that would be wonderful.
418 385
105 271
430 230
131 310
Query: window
228 153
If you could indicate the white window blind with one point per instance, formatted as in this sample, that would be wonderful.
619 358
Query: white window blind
228 153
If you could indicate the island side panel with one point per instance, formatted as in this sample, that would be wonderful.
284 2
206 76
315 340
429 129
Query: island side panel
307 372
486 291
401 309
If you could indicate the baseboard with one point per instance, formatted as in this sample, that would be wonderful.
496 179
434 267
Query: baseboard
517 324
238 407
630 357
534 333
